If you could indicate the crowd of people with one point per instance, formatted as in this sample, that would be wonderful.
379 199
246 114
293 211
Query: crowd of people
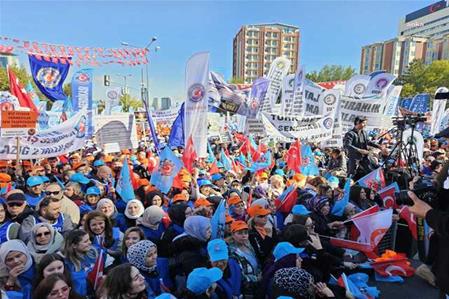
61 216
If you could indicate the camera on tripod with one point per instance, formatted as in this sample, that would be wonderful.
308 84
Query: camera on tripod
424 188
411 120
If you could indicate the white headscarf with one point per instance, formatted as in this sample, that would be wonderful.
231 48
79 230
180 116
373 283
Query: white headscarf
140 212
54 245
15 245
105 201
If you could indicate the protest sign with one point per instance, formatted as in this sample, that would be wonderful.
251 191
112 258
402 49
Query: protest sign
18 123
311 98
278 70
255 127
8 101
67 137
118 128
288 88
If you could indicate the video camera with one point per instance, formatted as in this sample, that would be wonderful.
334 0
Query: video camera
424 188
411 120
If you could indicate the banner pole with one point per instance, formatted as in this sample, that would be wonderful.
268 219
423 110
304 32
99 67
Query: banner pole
18 155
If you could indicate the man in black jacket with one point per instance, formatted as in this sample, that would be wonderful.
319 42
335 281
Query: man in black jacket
438 219
356 144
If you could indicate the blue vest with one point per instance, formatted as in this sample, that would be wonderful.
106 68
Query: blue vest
4 231
79 278
32 201
58 225
153 235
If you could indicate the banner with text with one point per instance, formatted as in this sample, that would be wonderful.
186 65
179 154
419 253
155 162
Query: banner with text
278 70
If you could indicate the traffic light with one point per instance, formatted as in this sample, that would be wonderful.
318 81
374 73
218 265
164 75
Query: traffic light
107 80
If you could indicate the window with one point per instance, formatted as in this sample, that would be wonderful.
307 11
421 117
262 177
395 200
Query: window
275 35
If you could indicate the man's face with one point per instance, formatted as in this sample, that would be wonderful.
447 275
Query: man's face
51 212
362 125
37 190
54 191
53 162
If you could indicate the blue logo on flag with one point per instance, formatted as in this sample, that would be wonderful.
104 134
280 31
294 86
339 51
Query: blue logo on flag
49 76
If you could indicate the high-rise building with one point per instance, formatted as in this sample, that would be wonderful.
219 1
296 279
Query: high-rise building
165 103
8 59
155 105
256 46
423 34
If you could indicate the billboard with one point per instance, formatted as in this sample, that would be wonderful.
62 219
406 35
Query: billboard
425 11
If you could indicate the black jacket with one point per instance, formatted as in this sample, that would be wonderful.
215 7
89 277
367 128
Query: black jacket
262 246
353 141
188 253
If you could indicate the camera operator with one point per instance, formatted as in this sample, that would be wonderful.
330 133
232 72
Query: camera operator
438 218
356 144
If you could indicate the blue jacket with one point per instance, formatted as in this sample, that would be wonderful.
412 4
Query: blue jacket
153 235
26 282
79 278
153 283
230 286
115 235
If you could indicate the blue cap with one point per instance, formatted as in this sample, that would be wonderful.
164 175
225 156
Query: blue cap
285 248
98 163
34 181
165 296
217 176
284 297
79 178
205 183
93 191
217 250
333 182
300 210
281 163
279 172
45 179
200 279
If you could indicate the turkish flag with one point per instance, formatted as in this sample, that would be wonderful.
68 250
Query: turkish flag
19 92
189 156
213 168
293 157
405 214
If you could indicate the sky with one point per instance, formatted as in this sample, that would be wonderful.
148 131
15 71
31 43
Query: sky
332 32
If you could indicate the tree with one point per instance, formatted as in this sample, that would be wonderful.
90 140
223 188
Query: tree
128 102
331 73
67 89
24 79
422 78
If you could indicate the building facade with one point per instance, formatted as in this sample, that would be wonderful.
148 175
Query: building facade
256 46
165 103
423 35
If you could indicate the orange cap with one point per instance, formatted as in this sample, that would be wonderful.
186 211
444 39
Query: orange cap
179 197
5 178
238 225
78 165
258 210
4 163
263 175
229 219
108 158
202 202
233 200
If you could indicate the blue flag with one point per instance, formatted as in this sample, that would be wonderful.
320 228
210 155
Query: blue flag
263 163
176 137
308 161
258 91
169 167
225 160
124 184
82 95
210 154
340 205
218 221
49 74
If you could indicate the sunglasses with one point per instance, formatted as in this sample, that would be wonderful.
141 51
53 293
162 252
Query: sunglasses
43 234
52 192
63 290
15 204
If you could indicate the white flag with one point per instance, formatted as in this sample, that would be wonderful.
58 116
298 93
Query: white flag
356 86
278 70
197 73
373 227
379 84
437 112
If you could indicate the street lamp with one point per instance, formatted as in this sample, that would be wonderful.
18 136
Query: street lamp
125 88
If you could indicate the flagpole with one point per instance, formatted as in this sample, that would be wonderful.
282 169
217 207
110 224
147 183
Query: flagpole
17 155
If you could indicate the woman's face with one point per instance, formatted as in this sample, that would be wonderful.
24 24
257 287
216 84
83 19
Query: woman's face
239 208
186 194
157 201
150 259
188 212
53 267
97 225
221 264
309 225
362 194
43 235
107 209
131 239
240 237
260 220
325 209
133 209
372 195
92 199
69 191
2 214
137 281
60 290
15 259
84 245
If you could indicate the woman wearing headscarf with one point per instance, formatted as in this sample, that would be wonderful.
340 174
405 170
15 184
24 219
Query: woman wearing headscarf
44 240
189 248
321 218
9 230
134 209
107 207
143 256
154 198
151 223
359 196
17 268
